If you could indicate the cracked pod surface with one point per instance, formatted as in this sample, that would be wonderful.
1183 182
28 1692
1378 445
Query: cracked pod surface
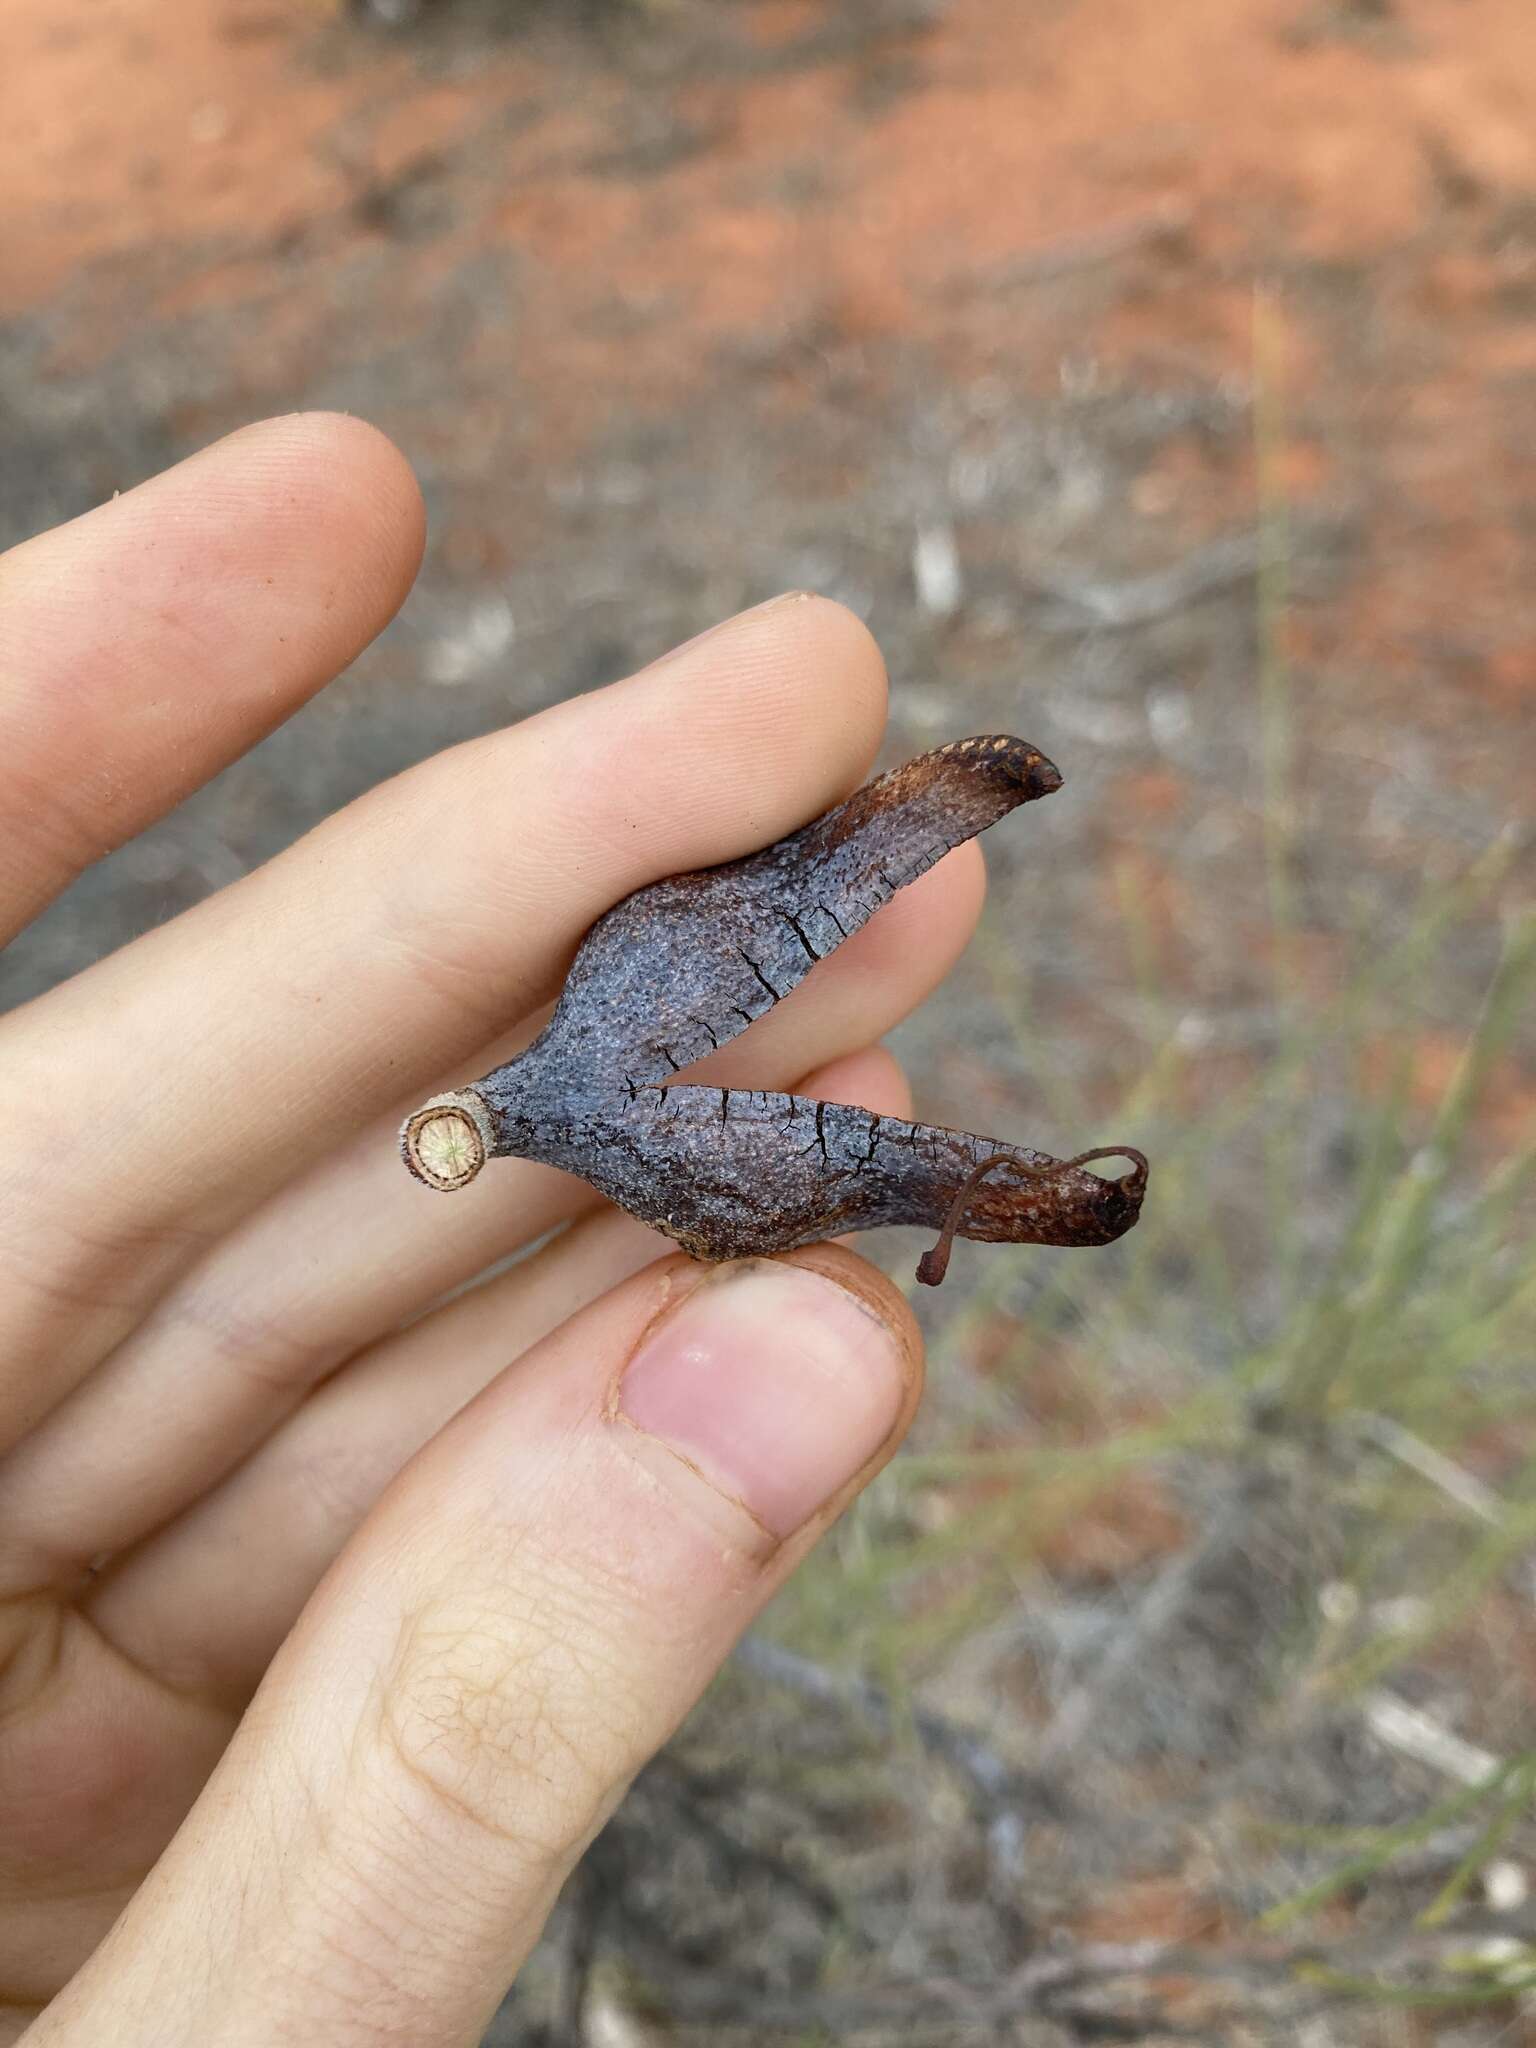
684 965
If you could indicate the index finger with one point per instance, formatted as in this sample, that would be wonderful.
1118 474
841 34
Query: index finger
146 644
186 1077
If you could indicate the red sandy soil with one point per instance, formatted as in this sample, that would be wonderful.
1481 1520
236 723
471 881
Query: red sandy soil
1387 144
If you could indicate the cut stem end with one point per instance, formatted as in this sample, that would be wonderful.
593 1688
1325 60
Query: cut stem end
447 1141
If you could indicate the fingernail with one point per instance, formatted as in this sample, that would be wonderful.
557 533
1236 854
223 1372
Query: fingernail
774 1384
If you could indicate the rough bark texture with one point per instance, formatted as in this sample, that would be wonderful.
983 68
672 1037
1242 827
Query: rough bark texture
679 968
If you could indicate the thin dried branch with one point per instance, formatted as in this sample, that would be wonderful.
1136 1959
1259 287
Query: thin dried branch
1453 1480
1002 1796
1073 1984
1119 605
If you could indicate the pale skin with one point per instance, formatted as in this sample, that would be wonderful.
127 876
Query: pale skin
326 1643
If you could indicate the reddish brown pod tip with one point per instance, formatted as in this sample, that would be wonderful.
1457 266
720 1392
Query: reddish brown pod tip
1098 1218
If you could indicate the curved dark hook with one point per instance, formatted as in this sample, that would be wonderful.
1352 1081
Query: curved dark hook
934 1263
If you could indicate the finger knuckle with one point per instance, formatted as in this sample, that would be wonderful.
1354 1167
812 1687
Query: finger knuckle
254 1340
452 957
510 1722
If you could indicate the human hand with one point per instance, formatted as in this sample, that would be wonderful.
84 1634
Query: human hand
474 1553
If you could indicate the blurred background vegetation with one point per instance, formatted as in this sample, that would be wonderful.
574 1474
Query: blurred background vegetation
1157 380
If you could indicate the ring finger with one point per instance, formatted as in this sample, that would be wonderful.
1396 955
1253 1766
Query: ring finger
274 1525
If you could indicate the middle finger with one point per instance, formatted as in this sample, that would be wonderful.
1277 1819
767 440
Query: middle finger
205 1603
183 1080
357 1247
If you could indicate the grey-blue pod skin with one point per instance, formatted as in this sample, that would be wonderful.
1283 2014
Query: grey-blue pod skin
683 966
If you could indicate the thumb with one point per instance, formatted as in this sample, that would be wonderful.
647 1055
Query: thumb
526 1616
